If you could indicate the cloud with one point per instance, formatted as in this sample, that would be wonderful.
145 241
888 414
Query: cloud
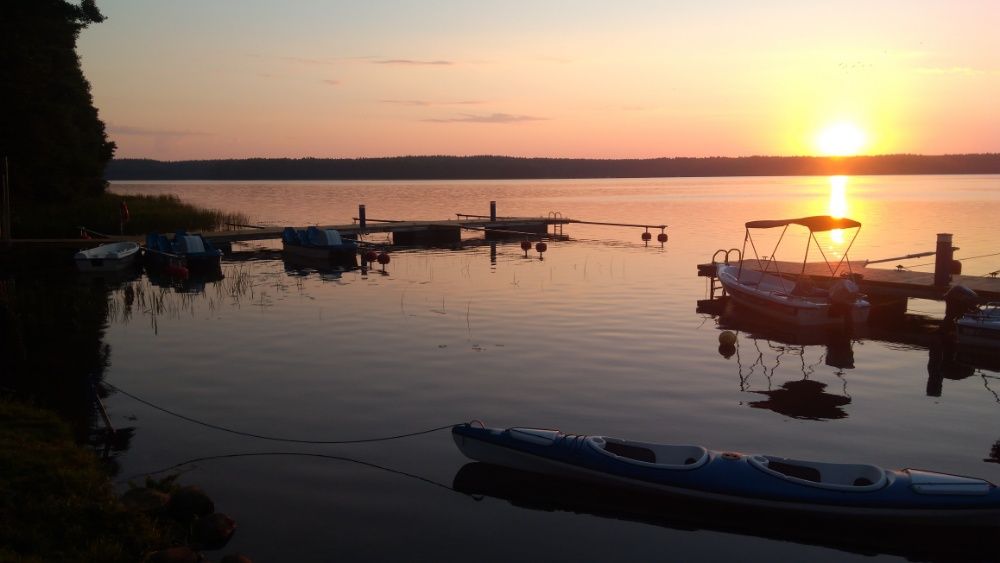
486 118
331 82
426 103
411 62
148 132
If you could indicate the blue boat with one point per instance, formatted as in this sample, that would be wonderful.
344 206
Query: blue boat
761 481
314 243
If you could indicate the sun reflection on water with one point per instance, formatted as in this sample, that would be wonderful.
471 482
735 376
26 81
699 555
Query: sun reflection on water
838 204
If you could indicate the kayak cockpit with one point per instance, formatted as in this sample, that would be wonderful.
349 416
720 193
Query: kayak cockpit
836 476
666 456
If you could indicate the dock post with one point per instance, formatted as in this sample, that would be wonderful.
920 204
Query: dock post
493 211
361 216
942 259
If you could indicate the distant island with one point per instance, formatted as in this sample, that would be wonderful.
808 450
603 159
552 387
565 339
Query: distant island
507 167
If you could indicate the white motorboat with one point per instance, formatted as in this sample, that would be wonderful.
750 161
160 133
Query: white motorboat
107 257
796 298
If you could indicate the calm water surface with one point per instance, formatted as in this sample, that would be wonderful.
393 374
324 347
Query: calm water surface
600 337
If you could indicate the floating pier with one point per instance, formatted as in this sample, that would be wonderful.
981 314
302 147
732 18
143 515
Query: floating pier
403 232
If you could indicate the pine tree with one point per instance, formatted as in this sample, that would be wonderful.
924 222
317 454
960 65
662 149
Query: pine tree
50 132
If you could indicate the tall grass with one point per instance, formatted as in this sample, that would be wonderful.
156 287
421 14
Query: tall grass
162 213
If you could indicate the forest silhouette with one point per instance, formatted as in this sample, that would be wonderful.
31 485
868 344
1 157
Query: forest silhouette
506 167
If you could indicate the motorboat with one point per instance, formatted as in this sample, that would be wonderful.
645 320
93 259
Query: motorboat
981 326
314 243
107 257
761 481
796 298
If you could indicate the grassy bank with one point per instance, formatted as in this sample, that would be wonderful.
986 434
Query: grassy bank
56 503
163 213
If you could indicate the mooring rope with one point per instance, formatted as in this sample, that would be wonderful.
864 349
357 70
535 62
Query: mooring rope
274 438
298 454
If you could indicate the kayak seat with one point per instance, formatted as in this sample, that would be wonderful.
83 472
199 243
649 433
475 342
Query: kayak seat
797 471
836 476
664 456
632 452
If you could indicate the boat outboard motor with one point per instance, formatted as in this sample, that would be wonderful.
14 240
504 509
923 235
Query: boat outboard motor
959 300
843 293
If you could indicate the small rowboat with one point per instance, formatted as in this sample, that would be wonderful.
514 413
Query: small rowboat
107 257
761 481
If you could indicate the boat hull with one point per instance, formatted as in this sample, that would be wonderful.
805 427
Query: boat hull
107 258
731 478
337 253
981 328
771 296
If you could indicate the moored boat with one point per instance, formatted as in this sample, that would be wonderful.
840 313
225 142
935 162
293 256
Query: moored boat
762 481
980 327
191 251
107 257
313 243
796 299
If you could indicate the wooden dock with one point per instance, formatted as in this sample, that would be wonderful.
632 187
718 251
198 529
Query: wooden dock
880 283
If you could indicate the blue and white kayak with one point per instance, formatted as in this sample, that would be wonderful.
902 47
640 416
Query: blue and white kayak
763 481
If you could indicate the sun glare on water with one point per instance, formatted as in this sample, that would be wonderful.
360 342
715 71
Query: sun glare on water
841 139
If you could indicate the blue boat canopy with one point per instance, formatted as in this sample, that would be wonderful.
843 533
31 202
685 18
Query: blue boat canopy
816 223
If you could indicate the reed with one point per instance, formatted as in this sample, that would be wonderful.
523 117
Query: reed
162 213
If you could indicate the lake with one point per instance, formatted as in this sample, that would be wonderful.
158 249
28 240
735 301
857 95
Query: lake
601 336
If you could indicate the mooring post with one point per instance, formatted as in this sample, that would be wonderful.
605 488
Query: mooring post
943 259
361 216
493 211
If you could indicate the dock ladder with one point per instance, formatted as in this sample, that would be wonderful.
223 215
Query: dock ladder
721 256
557 223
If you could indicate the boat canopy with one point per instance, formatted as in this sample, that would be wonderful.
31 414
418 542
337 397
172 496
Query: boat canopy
816 223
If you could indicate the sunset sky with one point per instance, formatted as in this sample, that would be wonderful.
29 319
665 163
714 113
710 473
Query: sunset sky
186 79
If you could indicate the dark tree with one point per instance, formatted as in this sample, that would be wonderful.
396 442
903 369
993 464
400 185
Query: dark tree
49 129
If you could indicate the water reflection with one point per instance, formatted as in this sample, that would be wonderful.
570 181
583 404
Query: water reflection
537 492
762 347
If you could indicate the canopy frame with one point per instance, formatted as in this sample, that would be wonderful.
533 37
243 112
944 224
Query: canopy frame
815 224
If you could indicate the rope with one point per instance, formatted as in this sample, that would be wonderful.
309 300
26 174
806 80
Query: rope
273 438
300 454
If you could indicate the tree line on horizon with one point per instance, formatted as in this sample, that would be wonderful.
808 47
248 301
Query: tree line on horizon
507 167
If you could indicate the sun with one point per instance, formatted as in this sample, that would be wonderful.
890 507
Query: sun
841 139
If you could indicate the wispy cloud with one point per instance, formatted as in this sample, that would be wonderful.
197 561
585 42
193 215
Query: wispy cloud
331 82
150 132
486 118
427 103
411 62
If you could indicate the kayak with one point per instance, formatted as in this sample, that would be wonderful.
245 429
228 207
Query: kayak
762 481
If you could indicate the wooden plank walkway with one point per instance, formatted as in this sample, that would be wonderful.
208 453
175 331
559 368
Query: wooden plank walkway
516 225
882 281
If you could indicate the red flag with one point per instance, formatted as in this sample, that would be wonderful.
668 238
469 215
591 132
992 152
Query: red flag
123 208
